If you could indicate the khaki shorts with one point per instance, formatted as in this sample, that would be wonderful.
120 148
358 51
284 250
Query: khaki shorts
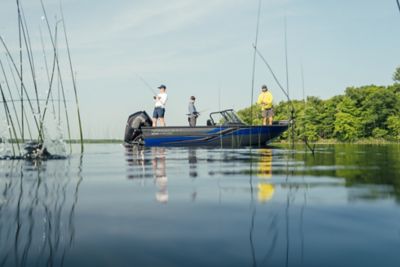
268 113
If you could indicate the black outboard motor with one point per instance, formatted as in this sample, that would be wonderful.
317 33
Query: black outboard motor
133 125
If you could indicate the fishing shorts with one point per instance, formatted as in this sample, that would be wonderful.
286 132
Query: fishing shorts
267 113
158 113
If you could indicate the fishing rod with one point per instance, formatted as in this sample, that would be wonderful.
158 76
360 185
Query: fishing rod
274 76
73 77
147 84
293 110
254 61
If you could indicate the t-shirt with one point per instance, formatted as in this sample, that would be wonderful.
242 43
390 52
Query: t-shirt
192 108
160 103
265 100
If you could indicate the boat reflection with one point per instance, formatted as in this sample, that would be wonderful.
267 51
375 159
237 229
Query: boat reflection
145 164
37 207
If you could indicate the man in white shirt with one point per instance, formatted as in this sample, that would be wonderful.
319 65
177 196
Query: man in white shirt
159 106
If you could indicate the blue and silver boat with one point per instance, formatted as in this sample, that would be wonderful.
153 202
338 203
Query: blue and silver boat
223 129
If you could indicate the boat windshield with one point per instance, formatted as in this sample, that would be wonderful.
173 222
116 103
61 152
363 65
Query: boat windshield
225 117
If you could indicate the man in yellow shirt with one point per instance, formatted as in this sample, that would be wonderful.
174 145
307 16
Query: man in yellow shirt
265 101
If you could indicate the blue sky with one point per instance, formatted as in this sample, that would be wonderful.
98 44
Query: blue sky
204 48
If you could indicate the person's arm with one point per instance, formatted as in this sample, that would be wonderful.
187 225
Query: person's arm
259 100
163 99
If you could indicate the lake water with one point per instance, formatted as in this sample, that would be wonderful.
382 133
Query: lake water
203 207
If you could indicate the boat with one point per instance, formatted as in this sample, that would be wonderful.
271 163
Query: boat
224 129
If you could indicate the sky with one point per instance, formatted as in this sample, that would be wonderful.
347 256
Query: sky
204 48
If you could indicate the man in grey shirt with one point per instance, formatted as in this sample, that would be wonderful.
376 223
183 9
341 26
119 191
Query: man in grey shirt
193 114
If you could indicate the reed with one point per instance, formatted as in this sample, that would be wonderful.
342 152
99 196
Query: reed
23 69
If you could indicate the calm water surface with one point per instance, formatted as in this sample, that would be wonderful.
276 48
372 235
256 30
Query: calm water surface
203 207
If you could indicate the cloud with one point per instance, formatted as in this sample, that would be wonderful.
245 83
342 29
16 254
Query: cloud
157 17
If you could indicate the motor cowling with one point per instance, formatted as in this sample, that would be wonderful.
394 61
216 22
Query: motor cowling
134 124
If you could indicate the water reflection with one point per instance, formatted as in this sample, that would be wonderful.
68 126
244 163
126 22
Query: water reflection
160 174
266 190
37 210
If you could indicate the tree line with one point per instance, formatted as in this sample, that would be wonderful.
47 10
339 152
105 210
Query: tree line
360 113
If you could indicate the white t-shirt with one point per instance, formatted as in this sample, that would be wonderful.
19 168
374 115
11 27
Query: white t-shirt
160 103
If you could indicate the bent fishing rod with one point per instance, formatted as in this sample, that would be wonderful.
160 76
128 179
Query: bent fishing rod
293 110
275 78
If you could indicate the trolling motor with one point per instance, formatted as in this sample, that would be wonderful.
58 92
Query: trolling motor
133 132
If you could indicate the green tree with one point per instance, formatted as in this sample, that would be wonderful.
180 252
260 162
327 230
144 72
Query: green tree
393 124
347 122
396 75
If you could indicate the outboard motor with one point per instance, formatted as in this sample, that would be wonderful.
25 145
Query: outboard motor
133 126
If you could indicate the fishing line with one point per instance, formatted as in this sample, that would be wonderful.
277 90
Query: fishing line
148 86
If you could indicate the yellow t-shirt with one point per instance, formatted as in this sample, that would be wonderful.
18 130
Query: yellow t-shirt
265 100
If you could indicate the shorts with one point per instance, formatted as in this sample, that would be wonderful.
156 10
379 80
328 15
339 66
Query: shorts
268 113
158 113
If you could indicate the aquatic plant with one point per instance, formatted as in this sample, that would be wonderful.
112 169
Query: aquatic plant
27 97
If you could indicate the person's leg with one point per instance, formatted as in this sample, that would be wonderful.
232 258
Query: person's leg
264 116
192 121
270 116
155 117
161 116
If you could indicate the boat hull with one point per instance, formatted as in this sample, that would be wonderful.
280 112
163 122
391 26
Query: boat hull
214 136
